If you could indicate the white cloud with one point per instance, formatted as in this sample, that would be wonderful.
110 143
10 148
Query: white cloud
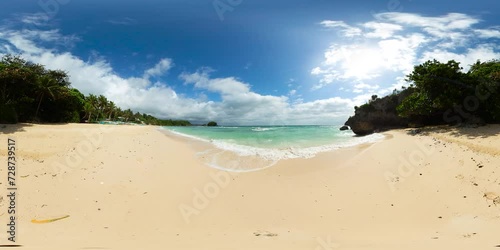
484 52
238 104
362 87
28 40
451 21
160 68
488 33
392 43
38 19
448 27
381 30
347 30
360 62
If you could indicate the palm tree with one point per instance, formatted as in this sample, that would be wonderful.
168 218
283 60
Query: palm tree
111 108
90 106
128 114
46 85
102 102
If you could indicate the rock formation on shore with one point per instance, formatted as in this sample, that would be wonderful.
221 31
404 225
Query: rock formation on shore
379 114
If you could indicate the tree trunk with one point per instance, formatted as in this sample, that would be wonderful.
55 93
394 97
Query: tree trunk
38 108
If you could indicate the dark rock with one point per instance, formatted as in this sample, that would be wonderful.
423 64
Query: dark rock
344 128
414 131
379 114
360 127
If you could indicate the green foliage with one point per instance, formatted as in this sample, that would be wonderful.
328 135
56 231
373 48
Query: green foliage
212 124
486 78
416 104
172 123
7 114
440 89
30 92
438 86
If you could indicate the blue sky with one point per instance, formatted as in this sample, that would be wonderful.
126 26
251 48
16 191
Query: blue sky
246 62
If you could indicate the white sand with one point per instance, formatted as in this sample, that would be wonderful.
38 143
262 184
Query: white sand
133 187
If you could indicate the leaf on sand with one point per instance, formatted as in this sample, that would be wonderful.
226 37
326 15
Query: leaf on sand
49 220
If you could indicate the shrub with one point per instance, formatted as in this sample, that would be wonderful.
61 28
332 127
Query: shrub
7 114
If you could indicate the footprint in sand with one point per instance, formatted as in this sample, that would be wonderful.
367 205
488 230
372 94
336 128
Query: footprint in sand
493 197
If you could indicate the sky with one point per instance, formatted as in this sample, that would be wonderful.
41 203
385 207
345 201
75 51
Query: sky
242 62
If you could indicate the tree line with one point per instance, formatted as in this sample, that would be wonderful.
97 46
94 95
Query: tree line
31 93
438 93
443 93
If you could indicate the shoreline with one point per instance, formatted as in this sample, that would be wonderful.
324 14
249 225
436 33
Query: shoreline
257 155
135 187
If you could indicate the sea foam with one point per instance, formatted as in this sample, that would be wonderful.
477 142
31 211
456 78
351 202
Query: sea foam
268 156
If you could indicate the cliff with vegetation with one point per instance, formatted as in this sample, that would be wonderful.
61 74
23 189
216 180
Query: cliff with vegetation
439 93
31 93
378 114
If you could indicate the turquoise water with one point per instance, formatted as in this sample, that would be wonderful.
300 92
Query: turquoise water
276 142
270 136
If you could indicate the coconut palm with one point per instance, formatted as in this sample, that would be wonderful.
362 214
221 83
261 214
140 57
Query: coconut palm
46 85
90 106
102 102
111 109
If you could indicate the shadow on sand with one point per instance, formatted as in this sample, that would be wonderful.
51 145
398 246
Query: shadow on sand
469 132
13 128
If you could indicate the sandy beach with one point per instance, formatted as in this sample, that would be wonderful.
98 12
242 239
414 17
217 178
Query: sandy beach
136 187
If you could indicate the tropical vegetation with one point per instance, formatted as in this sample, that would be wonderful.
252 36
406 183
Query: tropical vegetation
438 93
442 91
31 93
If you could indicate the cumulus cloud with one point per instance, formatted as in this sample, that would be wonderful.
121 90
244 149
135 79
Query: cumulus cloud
361 87
466 58
238 104
381 30
160 68
360 62
394 42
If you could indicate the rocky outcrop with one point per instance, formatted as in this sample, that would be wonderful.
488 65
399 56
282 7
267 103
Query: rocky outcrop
367 123
377 115
344 128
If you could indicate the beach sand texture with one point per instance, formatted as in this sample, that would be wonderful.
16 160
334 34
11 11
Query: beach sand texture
135 187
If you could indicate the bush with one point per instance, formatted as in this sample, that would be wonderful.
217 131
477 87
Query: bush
7 114
72 117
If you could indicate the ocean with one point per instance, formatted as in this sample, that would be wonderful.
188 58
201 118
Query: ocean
249 148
